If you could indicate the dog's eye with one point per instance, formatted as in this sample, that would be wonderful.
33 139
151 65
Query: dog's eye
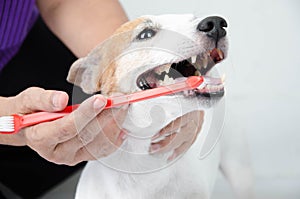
146 34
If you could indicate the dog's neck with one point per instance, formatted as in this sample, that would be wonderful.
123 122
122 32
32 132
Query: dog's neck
146 118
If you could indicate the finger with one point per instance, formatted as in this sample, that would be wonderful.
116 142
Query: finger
171 127
181 121
180 151
193 129
167 144
108 140
88 111
108 123
85 154
37 99
116 114
99 148
109 130
186 133
67 127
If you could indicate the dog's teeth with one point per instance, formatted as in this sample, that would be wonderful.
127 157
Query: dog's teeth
220 53
223 78
167 79
186 93
209 87
162 69
205 62
141 83
197 73
168 69
193 59
160 82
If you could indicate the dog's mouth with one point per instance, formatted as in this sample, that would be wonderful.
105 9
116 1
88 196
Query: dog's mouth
198 65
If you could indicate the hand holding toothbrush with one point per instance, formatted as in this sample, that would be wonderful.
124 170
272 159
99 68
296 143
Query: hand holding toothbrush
68 140
87 132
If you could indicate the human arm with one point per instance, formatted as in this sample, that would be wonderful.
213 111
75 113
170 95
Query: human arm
68 140
81 25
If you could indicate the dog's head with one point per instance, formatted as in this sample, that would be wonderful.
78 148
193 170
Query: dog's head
151 51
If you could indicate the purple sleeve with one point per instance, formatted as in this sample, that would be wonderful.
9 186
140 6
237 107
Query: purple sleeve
16 19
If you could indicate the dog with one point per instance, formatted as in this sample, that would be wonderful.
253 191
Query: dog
146 53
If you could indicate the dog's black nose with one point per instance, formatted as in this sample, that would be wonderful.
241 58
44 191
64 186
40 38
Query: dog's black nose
213 27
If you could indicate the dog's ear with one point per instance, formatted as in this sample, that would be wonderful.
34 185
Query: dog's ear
90 72
84 71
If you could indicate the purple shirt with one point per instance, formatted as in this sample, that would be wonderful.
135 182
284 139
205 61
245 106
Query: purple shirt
16 19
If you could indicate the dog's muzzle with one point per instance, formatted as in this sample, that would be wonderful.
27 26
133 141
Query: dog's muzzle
198 65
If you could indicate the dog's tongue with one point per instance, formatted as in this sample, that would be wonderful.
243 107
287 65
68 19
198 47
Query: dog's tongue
217 55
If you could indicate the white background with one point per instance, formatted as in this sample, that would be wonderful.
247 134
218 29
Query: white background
263 79
263 82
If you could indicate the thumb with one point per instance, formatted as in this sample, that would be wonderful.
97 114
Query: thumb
37 99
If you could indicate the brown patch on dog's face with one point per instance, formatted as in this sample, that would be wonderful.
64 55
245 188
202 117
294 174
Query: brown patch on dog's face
96 71
129 26
121 39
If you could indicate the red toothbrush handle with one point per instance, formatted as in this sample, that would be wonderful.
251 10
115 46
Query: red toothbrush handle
39 117
190 83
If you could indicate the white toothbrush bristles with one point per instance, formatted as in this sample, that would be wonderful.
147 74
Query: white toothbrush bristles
7 124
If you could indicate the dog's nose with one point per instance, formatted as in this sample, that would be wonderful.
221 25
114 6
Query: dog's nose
213 27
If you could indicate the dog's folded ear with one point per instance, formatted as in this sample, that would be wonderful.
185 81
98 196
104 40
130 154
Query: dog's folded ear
86 72
97 68
81 74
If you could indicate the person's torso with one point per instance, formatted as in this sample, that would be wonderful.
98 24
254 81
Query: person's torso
16 19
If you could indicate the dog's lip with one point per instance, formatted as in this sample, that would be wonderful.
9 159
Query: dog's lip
197 65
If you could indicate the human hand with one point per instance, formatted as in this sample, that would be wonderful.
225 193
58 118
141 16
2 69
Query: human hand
179 135
85 134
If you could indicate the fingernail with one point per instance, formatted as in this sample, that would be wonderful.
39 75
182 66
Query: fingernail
123 134
99 103
56 99
172 157
154 148
155 136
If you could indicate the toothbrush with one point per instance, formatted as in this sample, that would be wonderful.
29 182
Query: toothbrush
13 123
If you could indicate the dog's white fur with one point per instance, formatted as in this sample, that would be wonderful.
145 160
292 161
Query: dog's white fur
131 172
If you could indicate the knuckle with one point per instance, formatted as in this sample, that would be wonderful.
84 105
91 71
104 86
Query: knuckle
24 102
73 163
94 126
110 130
86 137
106 149
56 159
59 157
28 98
66 129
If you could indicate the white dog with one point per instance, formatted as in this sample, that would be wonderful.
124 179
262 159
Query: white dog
145 53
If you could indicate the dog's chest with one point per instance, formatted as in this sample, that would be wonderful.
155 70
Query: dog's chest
131 172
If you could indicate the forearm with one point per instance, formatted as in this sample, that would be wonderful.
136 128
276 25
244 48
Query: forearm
81 25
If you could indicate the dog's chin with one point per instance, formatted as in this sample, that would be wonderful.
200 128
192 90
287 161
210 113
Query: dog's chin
196 65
